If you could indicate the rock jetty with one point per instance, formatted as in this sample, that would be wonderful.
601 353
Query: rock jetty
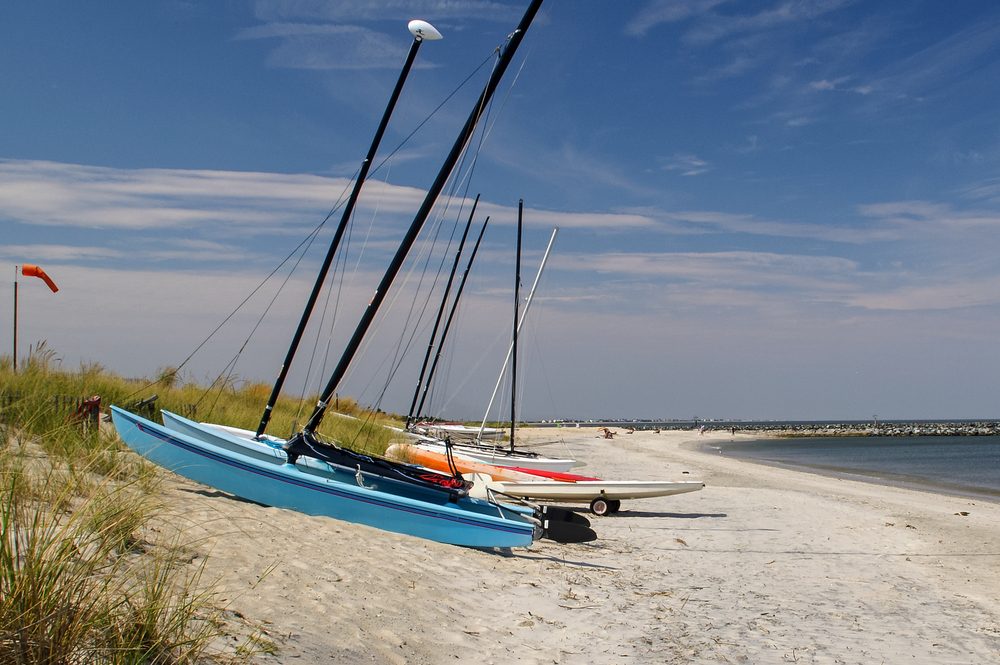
986 428
801 429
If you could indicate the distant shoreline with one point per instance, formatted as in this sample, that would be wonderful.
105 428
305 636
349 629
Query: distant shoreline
801 429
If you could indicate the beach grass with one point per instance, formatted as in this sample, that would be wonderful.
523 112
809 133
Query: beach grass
80 578
83 577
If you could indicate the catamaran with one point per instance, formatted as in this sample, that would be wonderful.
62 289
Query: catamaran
481 444
311 475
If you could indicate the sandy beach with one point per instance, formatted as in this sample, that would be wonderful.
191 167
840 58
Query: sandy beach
765 565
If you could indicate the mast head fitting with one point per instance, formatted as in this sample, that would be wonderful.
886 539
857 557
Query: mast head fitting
423 31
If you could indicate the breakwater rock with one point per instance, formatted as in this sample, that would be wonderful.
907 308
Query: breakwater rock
986 428
798 429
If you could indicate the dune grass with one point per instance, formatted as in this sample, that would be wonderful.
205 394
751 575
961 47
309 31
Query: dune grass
82 577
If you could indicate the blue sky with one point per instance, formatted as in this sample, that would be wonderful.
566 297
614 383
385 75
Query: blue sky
771 209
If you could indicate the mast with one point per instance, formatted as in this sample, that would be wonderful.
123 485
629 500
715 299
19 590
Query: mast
524 314
506 55
451 315
437 321
420 30
513 345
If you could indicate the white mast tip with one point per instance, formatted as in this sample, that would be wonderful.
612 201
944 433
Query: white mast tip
423 30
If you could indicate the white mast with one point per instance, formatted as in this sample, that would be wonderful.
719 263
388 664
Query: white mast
510 349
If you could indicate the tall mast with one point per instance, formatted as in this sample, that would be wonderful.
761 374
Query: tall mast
451 315
507 54
437 321
513 345
524 314
421 30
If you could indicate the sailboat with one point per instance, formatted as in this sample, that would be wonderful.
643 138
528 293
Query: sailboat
310 475
510 479
482 444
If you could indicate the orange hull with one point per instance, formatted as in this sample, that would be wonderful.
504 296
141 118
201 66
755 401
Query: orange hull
439 462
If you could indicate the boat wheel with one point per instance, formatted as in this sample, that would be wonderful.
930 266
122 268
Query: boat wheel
600 507
614 506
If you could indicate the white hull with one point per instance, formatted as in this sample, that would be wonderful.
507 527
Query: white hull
587 491
500 457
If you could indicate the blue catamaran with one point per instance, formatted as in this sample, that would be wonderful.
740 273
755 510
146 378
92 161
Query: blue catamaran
310 475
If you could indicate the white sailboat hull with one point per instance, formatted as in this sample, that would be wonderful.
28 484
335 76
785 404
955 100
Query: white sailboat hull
587 491
501 457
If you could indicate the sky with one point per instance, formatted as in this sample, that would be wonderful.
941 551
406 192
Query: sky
776 209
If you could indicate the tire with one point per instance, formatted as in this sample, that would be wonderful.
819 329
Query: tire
614 505
600 507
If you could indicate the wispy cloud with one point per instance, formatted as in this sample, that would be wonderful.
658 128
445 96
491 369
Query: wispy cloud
371 10
925 215
658 12
41 252
687 165
320 35
988 190
711 26
941 295
738 270
939 66
211 202
723 222
714 27
305 46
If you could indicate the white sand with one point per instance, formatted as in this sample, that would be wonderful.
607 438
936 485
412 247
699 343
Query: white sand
765 565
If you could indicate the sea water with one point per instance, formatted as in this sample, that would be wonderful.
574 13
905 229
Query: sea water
966 465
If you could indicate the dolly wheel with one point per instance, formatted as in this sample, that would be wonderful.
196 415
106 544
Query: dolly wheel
600 507
614 506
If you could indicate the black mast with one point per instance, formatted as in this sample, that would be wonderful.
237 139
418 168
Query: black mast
437 321
517 296
506 55
420 32
451 315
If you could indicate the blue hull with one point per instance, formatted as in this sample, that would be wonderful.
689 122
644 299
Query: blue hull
270 450
270 481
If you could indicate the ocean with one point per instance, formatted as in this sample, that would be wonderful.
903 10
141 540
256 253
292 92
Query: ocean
963 465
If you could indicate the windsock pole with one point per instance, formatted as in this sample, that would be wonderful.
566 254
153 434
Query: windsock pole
15 319
28 270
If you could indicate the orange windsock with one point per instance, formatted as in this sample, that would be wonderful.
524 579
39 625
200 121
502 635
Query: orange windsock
29 270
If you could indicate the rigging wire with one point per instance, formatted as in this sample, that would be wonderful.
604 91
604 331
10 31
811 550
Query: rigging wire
303 245
402 349
488 128
386 160
308 240
338 285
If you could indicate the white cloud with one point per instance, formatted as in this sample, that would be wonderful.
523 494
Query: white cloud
723 222
370 10
738 270
658 12
39 252
823 85
916 215
156 204
688 165
950 295
715 27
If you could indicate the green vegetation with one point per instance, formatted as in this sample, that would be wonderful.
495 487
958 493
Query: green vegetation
82 577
